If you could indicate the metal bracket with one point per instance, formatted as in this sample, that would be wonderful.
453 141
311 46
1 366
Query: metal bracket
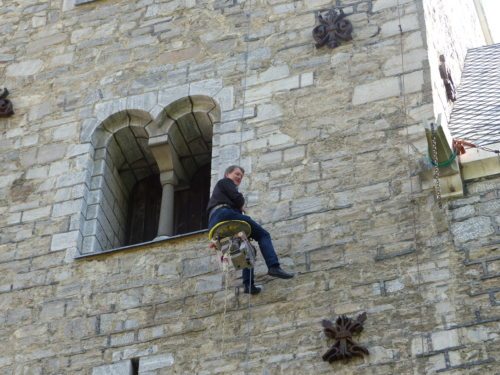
332 29
345 347
6 108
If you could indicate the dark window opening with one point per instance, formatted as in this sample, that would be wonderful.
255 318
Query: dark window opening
144 210
135 366
190 204
189 207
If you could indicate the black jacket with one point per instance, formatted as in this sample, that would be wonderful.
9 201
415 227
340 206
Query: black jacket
226 192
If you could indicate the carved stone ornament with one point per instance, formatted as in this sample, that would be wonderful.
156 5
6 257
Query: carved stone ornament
343 329
6 109
332 29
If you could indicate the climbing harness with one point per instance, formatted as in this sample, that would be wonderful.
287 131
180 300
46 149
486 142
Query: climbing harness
231 239
240 250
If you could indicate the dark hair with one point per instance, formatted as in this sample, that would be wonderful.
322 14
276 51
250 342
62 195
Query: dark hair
231 168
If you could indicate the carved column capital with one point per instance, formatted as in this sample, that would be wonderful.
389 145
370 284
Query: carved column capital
168 177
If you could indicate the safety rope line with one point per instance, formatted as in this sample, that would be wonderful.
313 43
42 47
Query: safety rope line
460 146
489 149
225 269
242 121
244 88
413 202
249 326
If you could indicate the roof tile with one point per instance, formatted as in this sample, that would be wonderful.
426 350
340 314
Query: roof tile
476 113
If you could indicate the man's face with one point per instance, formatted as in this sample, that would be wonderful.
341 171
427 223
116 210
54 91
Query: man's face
236 176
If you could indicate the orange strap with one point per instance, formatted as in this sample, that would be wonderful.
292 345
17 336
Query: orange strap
459 146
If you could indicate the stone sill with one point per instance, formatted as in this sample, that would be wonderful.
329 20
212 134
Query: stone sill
477 163
81 2
139 245
71 4
451 185
474 164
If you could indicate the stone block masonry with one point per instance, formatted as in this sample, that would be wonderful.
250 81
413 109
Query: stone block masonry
322 134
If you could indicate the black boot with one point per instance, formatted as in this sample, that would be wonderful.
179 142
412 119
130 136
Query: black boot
278 272
252 289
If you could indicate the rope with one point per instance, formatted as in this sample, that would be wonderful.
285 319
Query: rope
249 317
249 327
489 149
225 268
445 163
249 18
460 144
224 259
409 171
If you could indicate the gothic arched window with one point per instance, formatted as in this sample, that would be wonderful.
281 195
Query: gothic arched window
150 179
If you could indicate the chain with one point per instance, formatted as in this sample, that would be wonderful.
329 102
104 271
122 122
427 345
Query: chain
435 174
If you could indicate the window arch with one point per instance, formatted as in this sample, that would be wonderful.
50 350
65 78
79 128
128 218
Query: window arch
150 178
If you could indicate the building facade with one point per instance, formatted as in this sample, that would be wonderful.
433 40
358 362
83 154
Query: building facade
126 112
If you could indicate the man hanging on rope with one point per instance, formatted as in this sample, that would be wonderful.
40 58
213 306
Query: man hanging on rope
226 203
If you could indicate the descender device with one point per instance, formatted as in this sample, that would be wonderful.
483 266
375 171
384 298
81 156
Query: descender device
231 239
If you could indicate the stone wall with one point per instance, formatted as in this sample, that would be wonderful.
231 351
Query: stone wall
469 336
330 140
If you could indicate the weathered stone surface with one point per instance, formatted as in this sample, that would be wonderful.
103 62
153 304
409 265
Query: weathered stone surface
63 241
412 60
445 339
24 68
36 214
45 42
120 368
327 140
198 266
377 90
408 23
379 5
472 229
157 362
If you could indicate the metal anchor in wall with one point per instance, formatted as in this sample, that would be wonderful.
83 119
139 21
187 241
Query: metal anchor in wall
332 29
343 329
6 108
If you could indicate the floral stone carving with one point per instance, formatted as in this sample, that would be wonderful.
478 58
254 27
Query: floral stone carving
343 329
332 29
6 109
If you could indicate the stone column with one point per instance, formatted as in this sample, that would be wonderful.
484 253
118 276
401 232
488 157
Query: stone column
166 225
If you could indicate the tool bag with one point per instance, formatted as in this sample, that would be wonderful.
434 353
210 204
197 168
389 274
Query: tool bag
239 249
